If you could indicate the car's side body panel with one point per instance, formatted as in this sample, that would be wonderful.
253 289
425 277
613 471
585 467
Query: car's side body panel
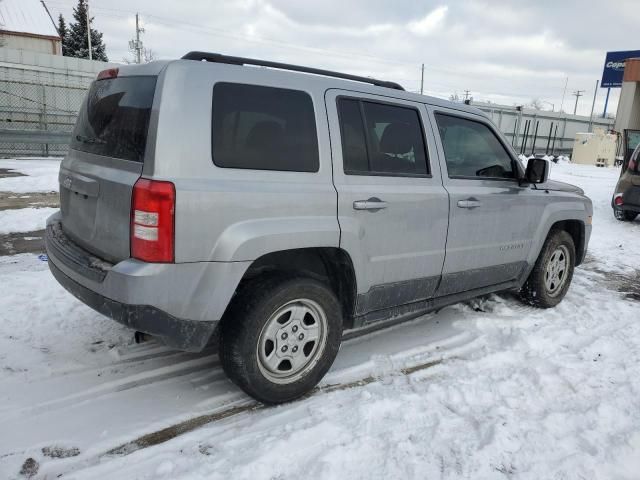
397 251
487 244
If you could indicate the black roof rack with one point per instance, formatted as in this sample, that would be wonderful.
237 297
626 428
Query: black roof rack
219 58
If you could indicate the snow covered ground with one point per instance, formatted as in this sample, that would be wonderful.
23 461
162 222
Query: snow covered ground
24 219
488 389
42 175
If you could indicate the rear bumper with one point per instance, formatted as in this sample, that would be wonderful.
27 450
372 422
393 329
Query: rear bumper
631 199
189 335
181 303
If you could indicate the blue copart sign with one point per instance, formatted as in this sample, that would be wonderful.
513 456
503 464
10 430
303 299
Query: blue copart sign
614 67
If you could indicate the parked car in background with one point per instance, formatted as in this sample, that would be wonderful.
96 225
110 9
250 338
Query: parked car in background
626 197
276 210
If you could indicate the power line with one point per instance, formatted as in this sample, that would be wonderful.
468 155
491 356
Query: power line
174 23
184 25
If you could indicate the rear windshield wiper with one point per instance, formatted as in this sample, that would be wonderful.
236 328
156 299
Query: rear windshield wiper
90 140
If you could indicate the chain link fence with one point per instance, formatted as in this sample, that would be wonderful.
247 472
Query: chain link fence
36 119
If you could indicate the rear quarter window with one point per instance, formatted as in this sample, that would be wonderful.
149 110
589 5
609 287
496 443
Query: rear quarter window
263 128
114 119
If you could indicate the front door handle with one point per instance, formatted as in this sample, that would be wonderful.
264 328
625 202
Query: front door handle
469 203
374 204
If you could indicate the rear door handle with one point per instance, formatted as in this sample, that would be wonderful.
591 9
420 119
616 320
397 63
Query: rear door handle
373 204
469 203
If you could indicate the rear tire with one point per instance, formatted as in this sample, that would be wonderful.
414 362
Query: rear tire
551 276
280 337
624 215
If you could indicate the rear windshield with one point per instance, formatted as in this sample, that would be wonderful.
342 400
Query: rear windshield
114 119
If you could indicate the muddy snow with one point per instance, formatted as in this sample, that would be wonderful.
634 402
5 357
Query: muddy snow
487 389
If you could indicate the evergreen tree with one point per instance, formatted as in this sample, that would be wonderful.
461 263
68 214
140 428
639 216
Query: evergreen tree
64 34
77 38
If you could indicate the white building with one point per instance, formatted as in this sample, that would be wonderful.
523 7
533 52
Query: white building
26 25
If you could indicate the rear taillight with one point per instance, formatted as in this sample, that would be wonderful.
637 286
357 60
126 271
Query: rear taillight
618 199
152 221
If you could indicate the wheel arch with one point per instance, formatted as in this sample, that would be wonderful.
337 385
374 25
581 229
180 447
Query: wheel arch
561 220
576 229
330 265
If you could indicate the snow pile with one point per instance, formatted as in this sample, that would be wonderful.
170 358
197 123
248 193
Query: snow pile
42 175
24 219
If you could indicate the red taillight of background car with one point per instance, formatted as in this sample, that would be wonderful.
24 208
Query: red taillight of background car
109 73
617 200
152 221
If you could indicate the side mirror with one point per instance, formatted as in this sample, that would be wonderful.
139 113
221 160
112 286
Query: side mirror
537 170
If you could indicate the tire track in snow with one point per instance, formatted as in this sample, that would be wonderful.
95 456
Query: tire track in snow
168 433
227 405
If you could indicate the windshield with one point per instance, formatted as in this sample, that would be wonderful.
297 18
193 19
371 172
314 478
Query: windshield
114 119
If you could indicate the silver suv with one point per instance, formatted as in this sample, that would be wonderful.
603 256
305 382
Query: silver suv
278 210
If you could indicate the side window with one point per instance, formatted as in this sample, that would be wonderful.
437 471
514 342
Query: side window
381 139
471 149
263 128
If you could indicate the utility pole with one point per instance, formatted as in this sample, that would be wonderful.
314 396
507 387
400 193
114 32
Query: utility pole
566 82
136 44
89 31
466 94
422 80
593 104
578 94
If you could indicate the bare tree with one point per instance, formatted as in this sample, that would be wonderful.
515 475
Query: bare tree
148 55
536 103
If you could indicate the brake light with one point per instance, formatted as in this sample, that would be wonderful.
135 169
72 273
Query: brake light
109 73
618 199
152 221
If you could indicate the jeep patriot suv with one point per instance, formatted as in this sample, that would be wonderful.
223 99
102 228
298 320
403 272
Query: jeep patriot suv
278 210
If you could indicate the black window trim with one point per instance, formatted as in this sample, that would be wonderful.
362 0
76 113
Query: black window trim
315 124
360 101
514 161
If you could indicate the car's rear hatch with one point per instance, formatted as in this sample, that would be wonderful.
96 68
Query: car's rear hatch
105 159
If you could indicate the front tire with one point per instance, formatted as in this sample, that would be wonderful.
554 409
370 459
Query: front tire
280 337
551 276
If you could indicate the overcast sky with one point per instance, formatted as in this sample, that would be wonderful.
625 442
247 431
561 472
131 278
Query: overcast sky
502 51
